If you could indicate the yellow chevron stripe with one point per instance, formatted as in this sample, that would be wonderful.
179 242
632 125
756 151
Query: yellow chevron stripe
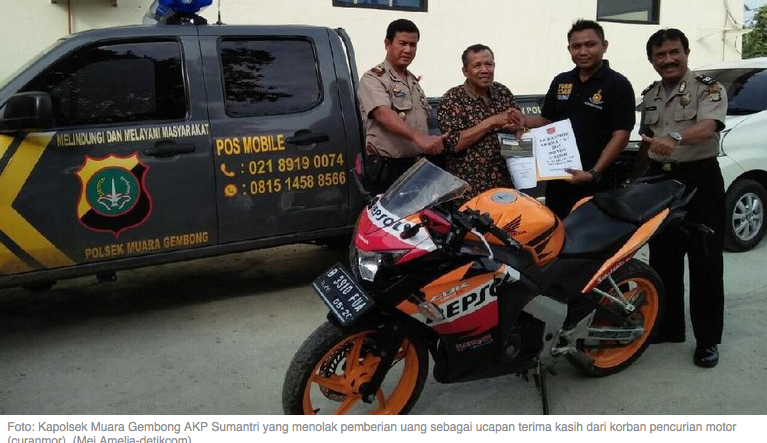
10 263
5 143
15 226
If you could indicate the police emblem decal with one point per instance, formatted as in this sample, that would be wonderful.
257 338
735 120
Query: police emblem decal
113 195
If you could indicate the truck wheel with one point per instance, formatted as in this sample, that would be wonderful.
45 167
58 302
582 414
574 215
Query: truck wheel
326 373
745 215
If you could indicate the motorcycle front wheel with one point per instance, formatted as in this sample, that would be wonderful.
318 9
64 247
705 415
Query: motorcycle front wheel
641 285
327 371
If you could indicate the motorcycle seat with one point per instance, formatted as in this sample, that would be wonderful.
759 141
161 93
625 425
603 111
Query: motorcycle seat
600 226
639 202
592 233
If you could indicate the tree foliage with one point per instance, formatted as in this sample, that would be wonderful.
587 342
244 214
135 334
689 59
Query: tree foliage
755 42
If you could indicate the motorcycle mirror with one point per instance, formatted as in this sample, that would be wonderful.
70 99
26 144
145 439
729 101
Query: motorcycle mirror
410 230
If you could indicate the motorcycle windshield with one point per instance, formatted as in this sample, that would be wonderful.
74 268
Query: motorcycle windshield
422 186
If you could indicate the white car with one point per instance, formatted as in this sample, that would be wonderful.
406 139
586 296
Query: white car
742 148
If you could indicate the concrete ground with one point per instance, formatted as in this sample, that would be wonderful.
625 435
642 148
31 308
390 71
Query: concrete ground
215 336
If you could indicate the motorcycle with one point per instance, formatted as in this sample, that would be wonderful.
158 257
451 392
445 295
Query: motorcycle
498 286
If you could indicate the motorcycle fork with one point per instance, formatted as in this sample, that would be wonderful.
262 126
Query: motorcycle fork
388 339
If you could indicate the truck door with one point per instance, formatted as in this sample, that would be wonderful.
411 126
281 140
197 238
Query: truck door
126 172
278 132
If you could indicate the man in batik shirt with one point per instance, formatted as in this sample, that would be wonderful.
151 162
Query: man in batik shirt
471 115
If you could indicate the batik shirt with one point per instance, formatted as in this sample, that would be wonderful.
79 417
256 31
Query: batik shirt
481 164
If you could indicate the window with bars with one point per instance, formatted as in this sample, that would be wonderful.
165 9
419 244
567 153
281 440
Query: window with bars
629 11
401 5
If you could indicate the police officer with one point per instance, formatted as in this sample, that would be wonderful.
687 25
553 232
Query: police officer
681 118
599 102
395 111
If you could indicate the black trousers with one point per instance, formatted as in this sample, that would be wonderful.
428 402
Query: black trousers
704 255
381 172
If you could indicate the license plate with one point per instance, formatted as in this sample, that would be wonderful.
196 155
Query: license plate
340 292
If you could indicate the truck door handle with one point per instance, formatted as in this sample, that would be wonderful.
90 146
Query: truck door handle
169 149
307 137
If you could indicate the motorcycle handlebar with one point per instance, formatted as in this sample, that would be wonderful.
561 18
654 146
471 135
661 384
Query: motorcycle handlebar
469 219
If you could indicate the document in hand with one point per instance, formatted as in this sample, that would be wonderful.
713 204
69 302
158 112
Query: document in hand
519 159
555 150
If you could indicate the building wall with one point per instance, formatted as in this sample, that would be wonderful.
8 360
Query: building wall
527 36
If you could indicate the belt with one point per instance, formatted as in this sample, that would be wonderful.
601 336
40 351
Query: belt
684 166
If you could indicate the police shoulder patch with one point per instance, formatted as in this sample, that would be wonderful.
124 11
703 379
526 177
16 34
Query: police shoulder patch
706 80
647 89
378 70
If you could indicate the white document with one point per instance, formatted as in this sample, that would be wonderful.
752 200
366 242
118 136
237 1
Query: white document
519 159
555 150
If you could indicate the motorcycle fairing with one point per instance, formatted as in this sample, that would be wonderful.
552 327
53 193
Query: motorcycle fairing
468 304
640 237
380 230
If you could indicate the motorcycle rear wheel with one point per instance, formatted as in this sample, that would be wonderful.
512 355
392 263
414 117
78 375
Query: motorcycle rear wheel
327 371
632 278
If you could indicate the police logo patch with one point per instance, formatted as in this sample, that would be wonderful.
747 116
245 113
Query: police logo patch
597 98
113 196
715 93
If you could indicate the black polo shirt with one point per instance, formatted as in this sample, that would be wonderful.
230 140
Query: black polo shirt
596 108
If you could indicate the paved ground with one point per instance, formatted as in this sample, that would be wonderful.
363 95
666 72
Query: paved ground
215 336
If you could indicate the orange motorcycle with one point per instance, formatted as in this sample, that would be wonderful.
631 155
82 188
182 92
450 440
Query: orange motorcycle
498 286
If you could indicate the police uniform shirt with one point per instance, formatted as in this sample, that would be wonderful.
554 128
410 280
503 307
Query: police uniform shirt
695 98
381 86
596 108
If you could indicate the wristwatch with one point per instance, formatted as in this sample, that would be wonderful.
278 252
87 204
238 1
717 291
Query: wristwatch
677 137
596 176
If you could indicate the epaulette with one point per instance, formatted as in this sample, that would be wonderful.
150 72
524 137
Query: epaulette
647 89
706 80
378 70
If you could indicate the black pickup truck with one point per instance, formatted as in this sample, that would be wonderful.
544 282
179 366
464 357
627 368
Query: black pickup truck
131 146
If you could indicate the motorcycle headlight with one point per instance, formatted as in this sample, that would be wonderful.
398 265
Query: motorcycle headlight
369 262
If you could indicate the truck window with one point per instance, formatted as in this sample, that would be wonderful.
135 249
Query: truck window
267 77
116 83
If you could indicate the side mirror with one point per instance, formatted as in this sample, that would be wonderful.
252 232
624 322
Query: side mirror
27 111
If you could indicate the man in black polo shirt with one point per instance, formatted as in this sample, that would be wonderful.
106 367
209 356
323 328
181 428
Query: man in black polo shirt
600 105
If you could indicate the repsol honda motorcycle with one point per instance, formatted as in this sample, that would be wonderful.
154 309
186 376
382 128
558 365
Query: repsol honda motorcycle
499 286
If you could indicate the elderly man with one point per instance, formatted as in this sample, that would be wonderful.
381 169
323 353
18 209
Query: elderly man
471 115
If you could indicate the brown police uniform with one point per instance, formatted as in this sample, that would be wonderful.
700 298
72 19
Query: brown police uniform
389 155
695 98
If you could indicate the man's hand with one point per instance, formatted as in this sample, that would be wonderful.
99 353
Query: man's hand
578 176
663 145
431 144
517 117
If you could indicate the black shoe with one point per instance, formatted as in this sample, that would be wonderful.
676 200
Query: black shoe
660 337
706 356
